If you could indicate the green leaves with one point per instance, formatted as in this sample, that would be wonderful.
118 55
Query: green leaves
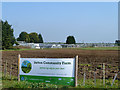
117 42
30 38
40 38
34 37
8 38
70 40
24 36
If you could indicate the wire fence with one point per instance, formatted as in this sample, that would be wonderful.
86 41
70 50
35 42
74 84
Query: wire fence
101 71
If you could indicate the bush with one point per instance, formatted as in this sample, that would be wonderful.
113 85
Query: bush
70 40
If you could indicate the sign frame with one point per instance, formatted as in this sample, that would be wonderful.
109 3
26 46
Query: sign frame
75 69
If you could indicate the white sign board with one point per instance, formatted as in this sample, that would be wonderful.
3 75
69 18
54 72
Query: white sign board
52 70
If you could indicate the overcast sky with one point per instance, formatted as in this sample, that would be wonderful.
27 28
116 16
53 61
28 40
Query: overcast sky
86 21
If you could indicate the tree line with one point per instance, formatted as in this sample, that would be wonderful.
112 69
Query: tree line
8 39
30 38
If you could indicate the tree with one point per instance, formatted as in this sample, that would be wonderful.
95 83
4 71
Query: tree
8 38
34 37
117 42
24 36
17 43
40 38
70 40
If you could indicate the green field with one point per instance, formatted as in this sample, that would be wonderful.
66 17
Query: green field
85 48
100 48
18 49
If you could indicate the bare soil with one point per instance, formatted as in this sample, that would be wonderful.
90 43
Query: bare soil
93 59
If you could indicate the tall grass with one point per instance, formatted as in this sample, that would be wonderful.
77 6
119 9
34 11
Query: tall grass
13 83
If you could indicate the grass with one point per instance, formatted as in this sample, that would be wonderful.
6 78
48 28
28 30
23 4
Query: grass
89 83
87 48
19 49
98 48
84 64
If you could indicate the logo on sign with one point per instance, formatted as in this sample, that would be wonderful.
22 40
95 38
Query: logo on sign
26 66
22 78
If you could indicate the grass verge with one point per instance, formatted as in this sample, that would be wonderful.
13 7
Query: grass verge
89 83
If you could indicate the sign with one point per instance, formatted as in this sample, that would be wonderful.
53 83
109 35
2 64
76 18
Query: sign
60 71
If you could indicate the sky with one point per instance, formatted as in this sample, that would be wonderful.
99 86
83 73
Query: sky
88 22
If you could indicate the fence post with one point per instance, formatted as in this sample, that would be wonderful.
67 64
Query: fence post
114 79
18 67
10 71
5 69
94 78
84 77
103 73
76 70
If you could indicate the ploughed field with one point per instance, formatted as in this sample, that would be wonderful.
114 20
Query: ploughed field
90 61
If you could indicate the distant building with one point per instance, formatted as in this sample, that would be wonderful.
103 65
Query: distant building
52 45
71 46
56 46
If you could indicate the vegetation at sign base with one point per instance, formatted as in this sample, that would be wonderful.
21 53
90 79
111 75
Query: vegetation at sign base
7 83
89 83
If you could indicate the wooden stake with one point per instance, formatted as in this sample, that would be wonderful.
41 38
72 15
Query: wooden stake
76 70
18 67
84 77
5 69
10 71
94 79
103 73
114 79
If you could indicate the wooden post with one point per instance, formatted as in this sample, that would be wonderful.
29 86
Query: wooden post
18 67
76 70
10 71
103 73
5 68
114 79
94 79
84 77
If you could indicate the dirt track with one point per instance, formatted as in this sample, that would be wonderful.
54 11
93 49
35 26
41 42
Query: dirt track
85 56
